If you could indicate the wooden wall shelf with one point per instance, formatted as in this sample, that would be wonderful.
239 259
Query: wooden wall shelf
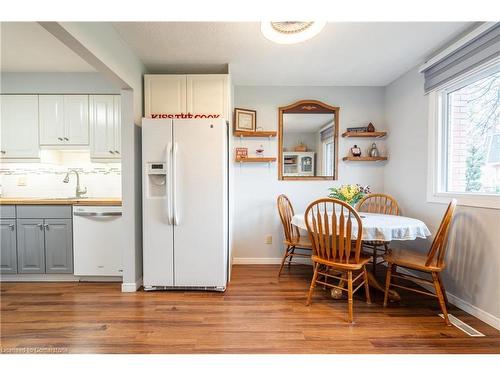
262 134
364 158
364 134
255 160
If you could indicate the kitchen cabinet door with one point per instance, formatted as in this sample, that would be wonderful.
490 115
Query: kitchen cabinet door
164 94
76 119
19 127
58 246
30 246
208 94
102 126
51 112
8 247
117 126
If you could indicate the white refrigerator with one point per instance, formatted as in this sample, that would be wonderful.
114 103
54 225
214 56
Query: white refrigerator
185 204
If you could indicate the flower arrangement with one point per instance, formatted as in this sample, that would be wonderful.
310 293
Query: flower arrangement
350 194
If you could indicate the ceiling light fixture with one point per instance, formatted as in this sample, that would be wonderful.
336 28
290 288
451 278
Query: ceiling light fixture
289 32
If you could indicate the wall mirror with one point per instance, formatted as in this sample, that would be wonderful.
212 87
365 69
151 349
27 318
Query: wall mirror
308 141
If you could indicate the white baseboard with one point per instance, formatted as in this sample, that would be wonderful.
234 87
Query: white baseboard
463 305
268 260
57 278
131 287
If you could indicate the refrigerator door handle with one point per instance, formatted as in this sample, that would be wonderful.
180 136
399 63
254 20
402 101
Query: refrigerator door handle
168 178
174 183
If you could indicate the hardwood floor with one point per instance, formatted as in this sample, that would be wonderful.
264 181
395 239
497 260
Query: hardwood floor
258 313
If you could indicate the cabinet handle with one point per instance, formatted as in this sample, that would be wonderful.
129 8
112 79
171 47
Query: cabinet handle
111 152
66 139
59 138
40 226
117 152
46 226
12 226
3 152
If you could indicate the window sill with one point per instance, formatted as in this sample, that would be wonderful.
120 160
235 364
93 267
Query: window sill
464 199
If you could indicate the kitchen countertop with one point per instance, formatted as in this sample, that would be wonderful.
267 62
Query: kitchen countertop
72 201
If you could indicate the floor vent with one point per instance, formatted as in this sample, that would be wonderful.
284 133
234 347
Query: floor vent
463 326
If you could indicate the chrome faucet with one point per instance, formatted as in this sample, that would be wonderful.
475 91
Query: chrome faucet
79 191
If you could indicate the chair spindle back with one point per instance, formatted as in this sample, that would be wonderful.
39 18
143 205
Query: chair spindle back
286 212
436 253
329 223
378 203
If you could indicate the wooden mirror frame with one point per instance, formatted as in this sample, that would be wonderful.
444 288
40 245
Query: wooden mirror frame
308 106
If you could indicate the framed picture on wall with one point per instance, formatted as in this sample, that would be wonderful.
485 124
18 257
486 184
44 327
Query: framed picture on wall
245 120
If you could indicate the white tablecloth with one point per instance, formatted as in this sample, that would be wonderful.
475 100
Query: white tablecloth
378 227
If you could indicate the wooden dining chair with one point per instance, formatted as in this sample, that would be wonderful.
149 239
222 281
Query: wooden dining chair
431 263
293 240
377 203
336 246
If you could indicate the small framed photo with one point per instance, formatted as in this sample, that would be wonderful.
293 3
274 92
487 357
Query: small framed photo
241 153
245 120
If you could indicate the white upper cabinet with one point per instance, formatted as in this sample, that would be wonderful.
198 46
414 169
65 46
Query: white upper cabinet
164 93
208 94
76 119
64 120
105 127
51 111
196 94
19 127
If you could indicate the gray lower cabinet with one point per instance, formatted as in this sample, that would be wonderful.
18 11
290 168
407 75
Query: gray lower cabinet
8 247
58 246
30 246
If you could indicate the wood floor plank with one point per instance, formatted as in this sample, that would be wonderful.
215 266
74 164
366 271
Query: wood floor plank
258 313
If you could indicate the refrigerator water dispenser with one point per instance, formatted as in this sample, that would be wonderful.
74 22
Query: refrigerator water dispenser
157 179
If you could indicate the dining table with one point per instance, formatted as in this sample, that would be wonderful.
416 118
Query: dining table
379 227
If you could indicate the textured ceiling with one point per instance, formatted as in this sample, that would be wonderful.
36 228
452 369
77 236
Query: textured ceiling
359 54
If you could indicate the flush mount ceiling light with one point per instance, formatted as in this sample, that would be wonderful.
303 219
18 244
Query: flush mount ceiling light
289 32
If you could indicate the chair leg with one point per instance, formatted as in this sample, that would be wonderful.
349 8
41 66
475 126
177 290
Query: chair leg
349 295
390 268
283 260
374 264
291 256
367 287
443 290
313 284
439 293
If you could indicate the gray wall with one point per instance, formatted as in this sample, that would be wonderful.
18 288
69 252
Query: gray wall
255 187
56 83
472 275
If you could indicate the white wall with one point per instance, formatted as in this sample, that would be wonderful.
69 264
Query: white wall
56 83
256 187
472 275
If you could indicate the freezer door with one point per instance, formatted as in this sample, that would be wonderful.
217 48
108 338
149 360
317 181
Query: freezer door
200 203
158 255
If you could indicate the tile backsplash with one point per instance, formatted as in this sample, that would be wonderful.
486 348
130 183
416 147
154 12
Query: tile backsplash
45 179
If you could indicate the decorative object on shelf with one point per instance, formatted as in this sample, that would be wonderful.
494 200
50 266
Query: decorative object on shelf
300 147
374 151
370 128
241 153
245 120
351 194
355 151
260 151
360 129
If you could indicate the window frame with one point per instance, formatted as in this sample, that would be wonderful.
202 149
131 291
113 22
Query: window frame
438 131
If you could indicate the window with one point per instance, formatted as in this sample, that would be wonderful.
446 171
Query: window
466 126
328 157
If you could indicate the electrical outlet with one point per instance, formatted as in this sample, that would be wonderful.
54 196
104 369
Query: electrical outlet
21 181
269 240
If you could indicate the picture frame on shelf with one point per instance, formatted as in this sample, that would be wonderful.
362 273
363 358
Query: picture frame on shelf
245 120
241 153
